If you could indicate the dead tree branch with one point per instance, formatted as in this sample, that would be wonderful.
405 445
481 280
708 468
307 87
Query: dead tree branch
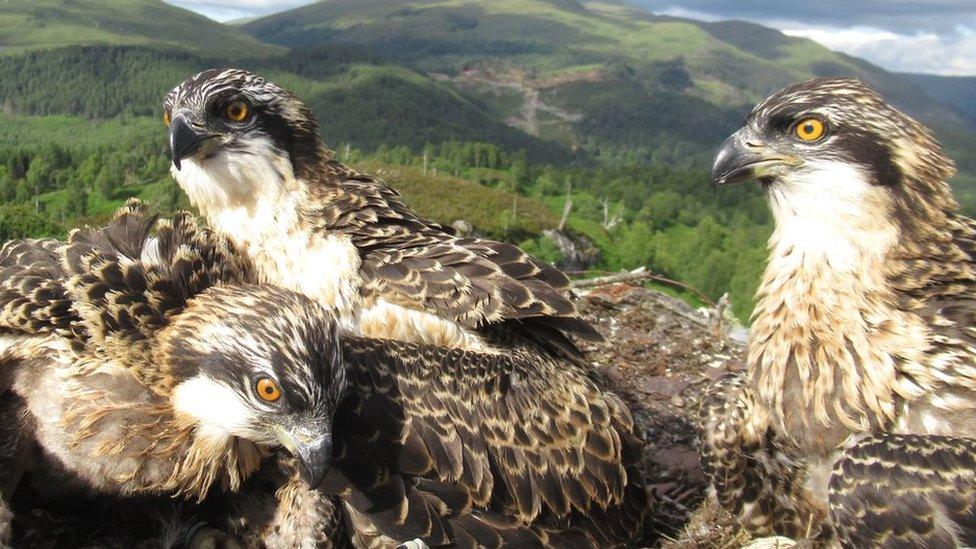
567 207
638 276
610 221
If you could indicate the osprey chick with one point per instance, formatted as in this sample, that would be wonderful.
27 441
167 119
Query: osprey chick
249 156
135 374
862 352
145 348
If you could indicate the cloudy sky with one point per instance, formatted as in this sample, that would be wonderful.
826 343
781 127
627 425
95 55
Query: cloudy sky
227 10
934 36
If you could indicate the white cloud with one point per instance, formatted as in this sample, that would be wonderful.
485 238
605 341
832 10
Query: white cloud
934 36
226 10
932 47
949 53
678 11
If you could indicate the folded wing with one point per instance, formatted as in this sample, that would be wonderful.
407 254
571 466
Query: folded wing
455 446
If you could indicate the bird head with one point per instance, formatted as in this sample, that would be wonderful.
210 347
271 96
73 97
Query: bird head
834 145
235 137
258 363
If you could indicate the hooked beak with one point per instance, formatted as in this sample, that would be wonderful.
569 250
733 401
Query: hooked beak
312 449
184 141
744 156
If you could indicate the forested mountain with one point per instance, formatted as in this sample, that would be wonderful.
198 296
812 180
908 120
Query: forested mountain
359 99
42 24
499 113
603 75
958 91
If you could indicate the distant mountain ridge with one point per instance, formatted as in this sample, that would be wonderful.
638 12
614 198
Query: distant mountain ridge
603 75
44 24
358 100
957 91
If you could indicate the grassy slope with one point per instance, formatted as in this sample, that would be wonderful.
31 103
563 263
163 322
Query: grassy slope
553 37
958 91
41 24
358 102
497 213
74 132
662 82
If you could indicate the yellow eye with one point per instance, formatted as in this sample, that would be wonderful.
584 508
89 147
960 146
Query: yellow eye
167 119
268 390
810 129
236 111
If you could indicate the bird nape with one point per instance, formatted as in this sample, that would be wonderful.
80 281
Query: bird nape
145 359
862 349
250 158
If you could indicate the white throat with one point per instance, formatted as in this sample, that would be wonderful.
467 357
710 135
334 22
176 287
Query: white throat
246 195
824 331
829 217
215 408
254 200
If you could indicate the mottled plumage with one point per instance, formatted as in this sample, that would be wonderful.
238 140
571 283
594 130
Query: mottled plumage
864 323
316 226
457 448
30 287
757 476
152 390
442 444
906 491
528 441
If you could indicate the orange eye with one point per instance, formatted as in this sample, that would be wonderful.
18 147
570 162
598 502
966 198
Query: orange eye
810 129
167 119
236 111
268 390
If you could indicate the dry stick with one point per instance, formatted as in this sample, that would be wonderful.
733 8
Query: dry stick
635 277
567 209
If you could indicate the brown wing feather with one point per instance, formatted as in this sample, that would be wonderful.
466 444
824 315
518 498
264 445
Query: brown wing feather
476 282
126 282
906 491
429 434
121 281
32 297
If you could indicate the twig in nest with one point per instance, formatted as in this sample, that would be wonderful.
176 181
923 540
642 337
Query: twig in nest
636 277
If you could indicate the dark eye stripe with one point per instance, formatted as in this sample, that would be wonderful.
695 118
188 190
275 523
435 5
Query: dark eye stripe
781 122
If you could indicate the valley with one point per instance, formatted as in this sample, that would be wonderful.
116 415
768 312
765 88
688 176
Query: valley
519 106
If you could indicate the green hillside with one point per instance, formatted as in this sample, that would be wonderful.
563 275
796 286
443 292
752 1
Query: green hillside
603 75
359 101
551 41
42 24
958 91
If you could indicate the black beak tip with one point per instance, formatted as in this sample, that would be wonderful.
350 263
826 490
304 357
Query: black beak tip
717 180
733 163
184 141
720 176
314 461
